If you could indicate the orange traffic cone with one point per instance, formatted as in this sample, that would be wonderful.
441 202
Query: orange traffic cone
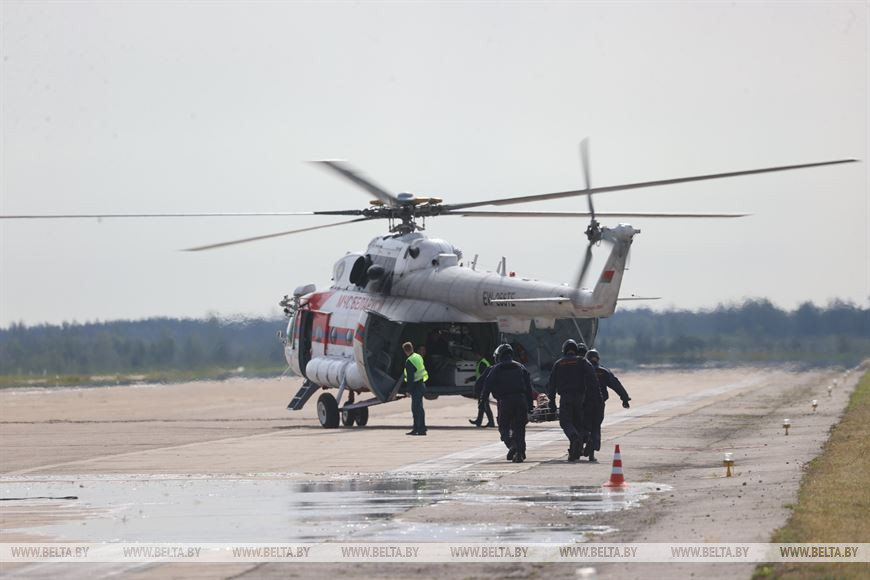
616 477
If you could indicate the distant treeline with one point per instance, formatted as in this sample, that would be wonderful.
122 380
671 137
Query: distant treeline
755 330
140 346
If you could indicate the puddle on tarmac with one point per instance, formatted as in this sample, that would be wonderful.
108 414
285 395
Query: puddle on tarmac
267 508
574 500
401 531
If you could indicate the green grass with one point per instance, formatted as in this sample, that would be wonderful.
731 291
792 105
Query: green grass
157 376
834 498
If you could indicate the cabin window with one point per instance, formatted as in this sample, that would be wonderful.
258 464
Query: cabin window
358 271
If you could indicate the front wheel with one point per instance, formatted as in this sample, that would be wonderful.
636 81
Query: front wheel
327 411
348 418
362 417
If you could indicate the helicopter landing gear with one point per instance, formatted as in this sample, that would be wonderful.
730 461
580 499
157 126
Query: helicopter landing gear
327 411
359 416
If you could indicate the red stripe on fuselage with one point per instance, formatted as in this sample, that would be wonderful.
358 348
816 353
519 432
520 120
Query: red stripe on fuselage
317 299
337 335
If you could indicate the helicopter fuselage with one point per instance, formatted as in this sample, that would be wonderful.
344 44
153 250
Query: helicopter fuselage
408 287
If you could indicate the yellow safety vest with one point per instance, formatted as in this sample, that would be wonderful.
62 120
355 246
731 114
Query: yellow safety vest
482 365
420 374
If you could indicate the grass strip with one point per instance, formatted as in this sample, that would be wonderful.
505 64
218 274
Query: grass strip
834 498
144 377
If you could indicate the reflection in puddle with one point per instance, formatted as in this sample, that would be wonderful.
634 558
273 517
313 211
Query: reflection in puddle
574 500
270 508
401 531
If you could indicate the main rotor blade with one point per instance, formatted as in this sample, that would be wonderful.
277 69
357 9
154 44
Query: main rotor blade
568 214
180 215
586 262
561 194
275 235
344 170
584 161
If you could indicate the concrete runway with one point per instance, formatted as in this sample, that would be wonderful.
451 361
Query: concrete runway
209 462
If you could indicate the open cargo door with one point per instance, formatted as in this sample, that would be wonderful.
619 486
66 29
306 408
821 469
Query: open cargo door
382 353
303 328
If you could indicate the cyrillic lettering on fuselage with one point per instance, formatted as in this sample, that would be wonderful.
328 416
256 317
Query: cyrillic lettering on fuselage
488 297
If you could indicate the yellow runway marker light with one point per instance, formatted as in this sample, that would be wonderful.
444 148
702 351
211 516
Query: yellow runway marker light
728 463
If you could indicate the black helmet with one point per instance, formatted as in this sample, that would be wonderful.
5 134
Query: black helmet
593 354
570 344
504 352
582 348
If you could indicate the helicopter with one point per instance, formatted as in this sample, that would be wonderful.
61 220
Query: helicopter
407 287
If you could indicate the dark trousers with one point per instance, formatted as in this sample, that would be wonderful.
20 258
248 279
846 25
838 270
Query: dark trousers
484 408
416 389
513 414
571 417
593 416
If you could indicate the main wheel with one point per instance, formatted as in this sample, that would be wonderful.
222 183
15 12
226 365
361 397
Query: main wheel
348 417
327 411
362 416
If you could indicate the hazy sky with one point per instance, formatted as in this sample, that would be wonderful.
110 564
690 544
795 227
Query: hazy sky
171 106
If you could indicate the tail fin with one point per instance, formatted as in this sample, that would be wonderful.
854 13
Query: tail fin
606 291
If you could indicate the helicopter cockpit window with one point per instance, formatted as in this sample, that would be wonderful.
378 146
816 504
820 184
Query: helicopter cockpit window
358 271
339 271
414 251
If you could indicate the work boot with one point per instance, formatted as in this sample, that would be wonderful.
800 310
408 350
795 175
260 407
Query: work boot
490 425
511 453
474 422
574 450
519 457
411 433
592 457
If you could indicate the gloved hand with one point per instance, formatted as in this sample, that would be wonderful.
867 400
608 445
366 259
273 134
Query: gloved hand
625 404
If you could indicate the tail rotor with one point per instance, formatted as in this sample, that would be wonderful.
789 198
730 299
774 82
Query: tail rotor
593 230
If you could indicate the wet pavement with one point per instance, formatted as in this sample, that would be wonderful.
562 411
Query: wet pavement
272 507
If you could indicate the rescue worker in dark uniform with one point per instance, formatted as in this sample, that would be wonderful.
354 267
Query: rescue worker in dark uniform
606 379
415 376
482 404
511 385
571 378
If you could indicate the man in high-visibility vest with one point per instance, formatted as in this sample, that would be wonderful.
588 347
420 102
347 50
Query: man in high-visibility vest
482 404
415 376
